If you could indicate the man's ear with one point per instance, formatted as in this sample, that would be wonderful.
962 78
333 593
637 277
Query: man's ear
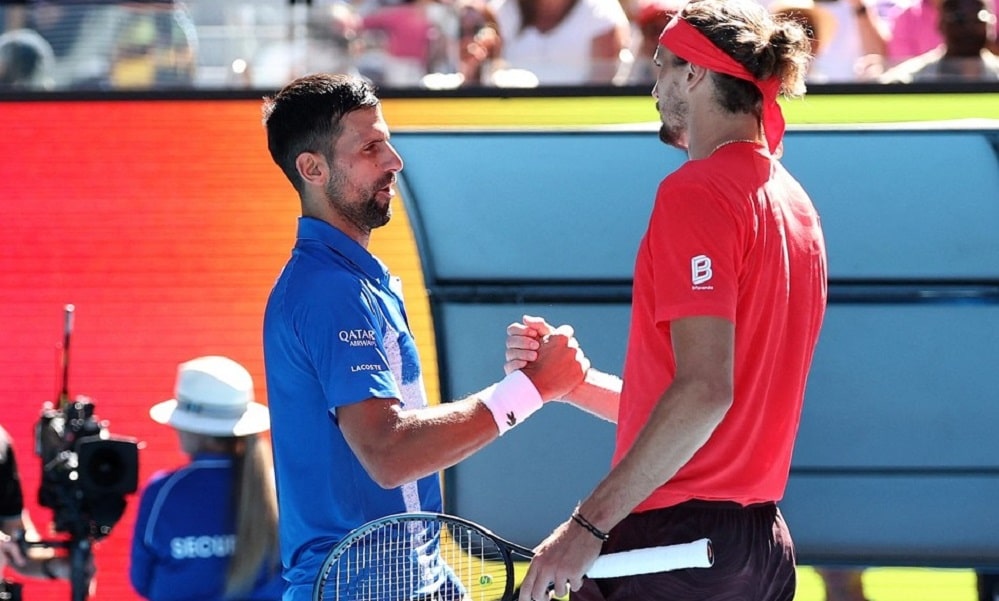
312 167
695 75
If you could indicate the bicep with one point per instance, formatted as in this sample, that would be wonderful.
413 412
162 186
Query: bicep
704 350
368 426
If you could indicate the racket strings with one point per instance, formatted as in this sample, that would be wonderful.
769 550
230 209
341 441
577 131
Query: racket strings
417 561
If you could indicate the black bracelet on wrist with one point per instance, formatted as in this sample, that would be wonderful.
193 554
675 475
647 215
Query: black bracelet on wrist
47 569
585 523
860 10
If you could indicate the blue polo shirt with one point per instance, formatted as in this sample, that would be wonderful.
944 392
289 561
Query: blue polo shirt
184 536
335 333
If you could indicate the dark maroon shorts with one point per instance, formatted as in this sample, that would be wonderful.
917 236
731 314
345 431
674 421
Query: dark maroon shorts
754 555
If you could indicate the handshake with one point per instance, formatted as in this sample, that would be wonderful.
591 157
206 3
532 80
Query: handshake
550 357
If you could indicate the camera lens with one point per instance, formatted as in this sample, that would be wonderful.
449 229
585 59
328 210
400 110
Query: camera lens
106 468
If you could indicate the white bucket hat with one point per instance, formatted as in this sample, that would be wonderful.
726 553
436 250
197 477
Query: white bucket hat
214 396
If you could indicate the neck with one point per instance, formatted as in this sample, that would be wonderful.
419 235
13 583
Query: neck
548 15
713 129
323 212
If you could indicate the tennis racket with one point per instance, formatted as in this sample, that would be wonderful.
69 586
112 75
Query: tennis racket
438 557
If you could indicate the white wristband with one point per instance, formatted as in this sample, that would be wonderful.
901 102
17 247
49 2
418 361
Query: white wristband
512 400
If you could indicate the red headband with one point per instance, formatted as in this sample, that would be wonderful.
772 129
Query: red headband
685 41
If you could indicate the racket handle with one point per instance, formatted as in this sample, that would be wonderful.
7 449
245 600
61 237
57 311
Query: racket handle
696 554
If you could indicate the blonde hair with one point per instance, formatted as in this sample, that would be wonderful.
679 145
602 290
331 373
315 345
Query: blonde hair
255 503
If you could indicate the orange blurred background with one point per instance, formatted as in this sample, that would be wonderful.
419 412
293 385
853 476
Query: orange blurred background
165 224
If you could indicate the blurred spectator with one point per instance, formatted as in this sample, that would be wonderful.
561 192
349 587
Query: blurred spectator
871 27
821 26
479 42
912 30
859 40
26 61
155 46
968 29
900 31
409 39
330 45
16 525
651 17
566 42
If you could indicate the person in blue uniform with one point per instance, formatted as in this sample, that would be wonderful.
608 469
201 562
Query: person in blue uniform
354 438
208 530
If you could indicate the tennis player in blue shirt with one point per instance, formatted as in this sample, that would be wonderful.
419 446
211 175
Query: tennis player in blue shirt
353 436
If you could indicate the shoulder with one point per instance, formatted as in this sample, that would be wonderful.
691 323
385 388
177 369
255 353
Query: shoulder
910 69
165 481
306 285
716 186
607 9
689 179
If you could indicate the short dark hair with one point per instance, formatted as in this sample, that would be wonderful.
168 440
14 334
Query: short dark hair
306 114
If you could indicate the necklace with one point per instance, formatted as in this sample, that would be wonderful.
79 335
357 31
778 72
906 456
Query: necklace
732 142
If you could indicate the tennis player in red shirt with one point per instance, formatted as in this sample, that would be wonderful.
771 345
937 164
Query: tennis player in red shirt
729 296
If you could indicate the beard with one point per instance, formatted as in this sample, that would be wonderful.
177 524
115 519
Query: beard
359 206
673 136
673 131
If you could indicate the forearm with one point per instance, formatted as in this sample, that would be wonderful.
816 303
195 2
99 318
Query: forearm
605 55
871 31
682 422
599 394
454 430
398 446
35 561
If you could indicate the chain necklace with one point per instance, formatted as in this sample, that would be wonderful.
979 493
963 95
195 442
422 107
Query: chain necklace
733 142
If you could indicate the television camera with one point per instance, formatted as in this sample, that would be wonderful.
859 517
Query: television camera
86 473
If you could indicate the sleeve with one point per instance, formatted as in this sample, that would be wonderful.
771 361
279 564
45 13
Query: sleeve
342 329
143 558
11 495
694 240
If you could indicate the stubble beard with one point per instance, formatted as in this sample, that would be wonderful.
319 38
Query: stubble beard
673 132
368 213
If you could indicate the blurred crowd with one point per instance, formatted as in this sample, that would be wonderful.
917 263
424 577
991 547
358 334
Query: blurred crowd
444 44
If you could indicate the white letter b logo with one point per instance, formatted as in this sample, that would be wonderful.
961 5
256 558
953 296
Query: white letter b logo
700 269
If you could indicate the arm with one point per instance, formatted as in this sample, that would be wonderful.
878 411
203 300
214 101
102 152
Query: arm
874 34
142 561
31 561
599 393
683 420
391 442
605 55
37 562
10 552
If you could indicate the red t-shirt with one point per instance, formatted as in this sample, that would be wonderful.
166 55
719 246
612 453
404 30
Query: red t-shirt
731 236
